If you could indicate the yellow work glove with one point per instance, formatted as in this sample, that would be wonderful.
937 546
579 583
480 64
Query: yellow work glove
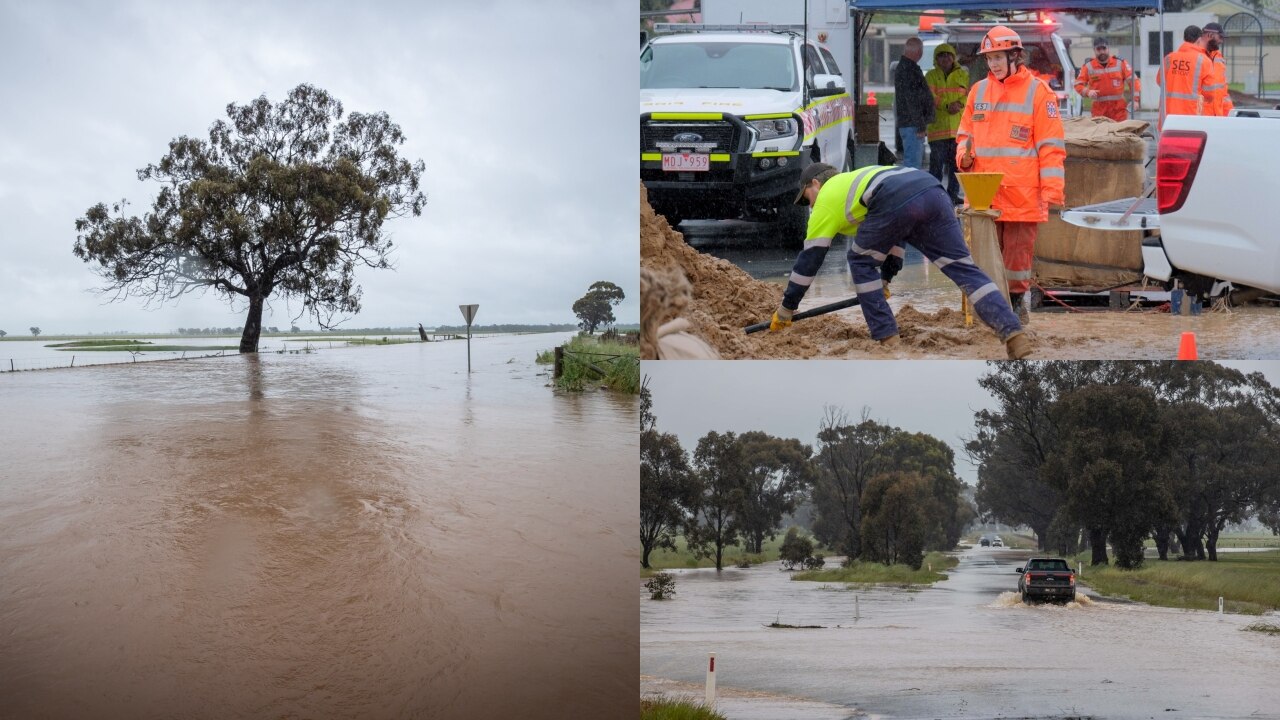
781 319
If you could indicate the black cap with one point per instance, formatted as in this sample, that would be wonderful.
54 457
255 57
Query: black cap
815 171
1213 27
1099 42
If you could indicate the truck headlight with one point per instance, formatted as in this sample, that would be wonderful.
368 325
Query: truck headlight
775 128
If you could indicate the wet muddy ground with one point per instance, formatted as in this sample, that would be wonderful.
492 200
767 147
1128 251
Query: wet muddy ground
362 532
1249 332
964 648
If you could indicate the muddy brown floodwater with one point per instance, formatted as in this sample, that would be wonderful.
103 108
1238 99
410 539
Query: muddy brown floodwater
353 533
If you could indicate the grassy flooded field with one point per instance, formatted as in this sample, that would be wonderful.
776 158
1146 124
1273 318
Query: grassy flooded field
592 360
867 573
1249 583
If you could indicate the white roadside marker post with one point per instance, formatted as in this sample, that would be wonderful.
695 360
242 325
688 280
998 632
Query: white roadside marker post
1220 604
711 680
857 614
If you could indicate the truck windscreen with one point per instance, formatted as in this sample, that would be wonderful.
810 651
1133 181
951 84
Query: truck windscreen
718 65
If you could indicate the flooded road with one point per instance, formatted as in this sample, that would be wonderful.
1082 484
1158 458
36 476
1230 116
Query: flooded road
362 532
1251 332
966 648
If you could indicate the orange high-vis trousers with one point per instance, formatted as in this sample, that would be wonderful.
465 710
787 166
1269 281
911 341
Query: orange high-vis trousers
1017 245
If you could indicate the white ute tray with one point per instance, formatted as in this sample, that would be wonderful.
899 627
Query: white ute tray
1125 214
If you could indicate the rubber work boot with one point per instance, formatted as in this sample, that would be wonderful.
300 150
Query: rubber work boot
1018 346
890 342
1019 307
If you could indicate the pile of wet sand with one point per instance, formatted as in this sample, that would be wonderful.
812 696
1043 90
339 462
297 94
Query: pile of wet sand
726 299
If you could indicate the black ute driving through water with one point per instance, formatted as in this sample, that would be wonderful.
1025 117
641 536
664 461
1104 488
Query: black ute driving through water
1047 579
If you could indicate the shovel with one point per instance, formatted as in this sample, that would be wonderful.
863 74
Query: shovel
812 312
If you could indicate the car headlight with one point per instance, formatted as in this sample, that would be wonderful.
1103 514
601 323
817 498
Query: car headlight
774 128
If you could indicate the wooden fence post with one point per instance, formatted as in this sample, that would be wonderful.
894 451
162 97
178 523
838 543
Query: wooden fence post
559 367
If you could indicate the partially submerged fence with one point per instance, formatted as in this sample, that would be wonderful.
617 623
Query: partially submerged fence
593 361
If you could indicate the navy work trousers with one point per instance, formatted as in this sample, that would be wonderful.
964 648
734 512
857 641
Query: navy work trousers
927 221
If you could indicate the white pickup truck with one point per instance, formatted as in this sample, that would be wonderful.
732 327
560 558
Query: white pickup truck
1208 225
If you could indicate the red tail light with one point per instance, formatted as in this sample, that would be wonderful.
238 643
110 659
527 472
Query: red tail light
1073 578
1177 158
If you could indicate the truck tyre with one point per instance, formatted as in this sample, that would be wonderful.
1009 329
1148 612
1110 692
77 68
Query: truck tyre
1025 597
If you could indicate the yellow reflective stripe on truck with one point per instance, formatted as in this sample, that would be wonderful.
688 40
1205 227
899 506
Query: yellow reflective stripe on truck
784 153
767 116
654 157
686 116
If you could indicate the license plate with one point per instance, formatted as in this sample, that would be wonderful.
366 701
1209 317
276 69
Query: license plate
686 162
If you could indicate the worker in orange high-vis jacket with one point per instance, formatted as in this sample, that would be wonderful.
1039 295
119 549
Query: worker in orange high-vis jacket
1221 104
1011 125
1104 78
1186 78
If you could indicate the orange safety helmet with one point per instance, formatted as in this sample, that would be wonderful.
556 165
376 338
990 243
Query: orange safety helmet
1000 38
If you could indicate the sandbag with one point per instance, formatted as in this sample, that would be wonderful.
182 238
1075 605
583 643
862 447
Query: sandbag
1105 161
984 243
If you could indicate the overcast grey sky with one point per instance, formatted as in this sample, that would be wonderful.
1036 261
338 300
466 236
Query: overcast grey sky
785 398
524 114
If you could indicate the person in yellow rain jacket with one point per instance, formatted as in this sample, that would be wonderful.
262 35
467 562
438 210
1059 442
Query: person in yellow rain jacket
1221 104
950 84
1011 125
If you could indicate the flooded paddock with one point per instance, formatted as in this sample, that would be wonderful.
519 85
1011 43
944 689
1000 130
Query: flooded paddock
364 532
964 648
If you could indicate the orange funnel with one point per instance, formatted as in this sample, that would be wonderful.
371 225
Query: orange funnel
980 188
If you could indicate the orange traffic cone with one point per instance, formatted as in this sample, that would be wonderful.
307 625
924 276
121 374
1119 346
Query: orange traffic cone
871 98
1187 347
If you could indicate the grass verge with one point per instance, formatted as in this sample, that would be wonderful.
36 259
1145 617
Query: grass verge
589 361
868 573
1249 583
734 555
677 709
1264 628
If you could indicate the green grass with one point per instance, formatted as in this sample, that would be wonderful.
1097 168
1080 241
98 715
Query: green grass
583 352
676 709
101 344
380 341
1267 628
1266 87
868 573
681 557
1248 582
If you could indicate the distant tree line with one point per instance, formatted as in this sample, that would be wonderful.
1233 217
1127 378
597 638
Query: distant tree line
508 328
879 493
1114 453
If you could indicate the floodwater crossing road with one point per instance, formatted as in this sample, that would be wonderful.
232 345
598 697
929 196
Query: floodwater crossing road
964 648
352 533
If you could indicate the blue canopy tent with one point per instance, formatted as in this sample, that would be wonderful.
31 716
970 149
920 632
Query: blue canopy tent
864 9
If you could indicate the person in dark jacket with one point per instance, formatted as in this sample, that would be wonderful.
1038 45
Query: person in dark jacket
913 108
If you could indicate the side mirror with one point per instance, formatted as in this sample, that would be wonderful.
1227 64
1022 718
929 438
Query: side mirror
824 85
644 37
1018 571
